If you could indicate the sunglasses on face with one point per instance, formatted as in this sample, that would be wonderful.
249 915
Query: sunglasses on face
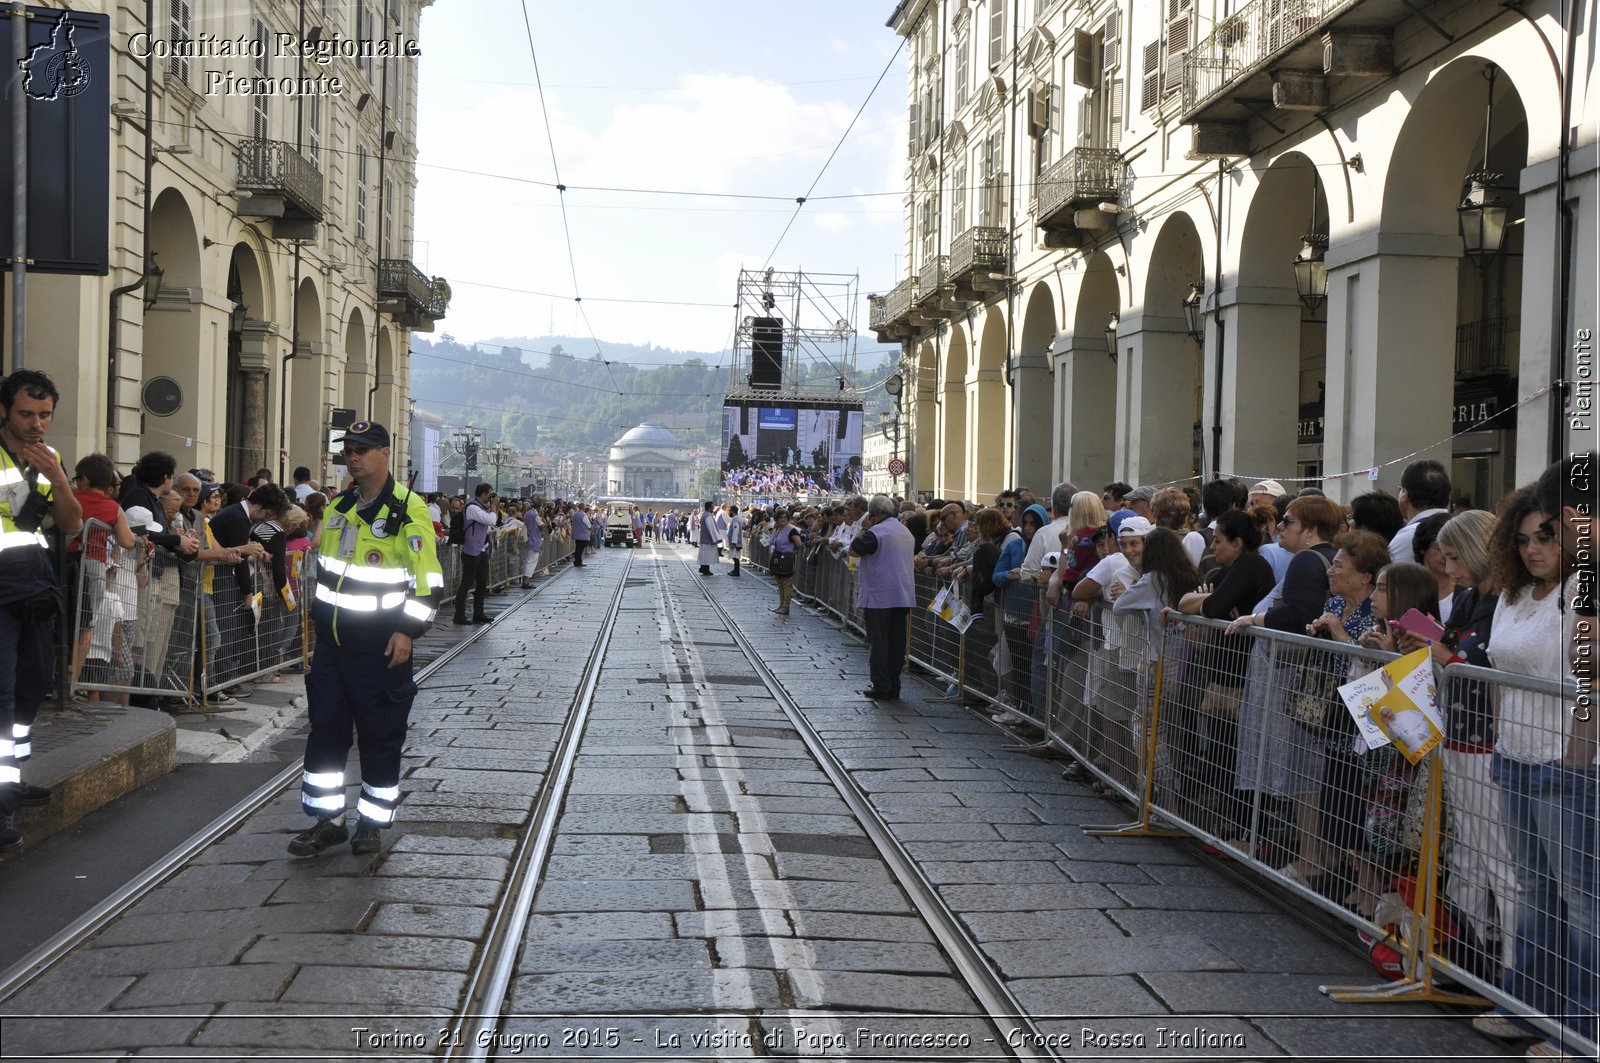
356 450
1008 505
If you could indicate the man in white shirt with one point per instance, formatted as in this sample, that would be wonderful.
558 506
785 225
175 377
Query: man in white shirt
303 487
1048 538
1424 491
855 508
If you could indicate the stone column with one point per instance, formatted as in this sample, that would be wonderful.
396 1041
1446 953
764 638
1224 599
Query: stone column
1260 381
986 435
249 438
1391 373
952 440
1085 402
920 435
1031 421
1155 426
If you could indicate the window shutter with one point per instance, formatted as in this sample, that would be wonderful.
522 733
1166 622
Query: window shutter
1180 31
182 17
1056 115
1039 111
1116 101
1111 41
997 32
1085 64
961 72
1086 120
913 131
1150 76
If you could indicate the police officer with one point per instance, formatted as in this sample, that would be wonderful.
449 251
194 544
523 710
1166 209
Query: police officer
378 582
33 485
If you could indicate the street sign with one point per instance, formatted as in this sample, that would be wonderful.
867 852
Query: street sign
897 467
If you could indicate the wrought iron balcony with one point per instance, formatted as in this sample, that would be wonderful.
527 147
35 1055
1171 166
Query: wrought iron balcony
409 296
897 304
1283 50
893 316
439 298
278 182
932 277
1481 346
1081 178
981 249
877 308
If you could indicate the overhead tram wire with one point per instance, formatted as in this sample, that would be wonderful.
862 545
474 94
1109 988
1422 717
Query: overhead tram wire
800 201
561 189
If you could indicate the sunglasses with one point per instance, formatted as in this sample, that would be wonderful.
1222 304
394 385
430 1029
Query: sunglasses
357 450
1008 505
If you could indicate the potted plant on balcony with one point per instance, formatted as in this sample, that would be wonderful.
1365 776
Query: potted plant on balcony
1227 32
439 295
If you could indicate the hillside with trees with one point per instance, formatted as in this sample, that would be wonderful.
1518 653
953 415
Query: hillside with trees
555 398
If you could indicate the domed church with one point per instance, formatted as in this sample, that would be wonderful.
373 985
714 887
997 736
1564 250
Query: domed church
649 462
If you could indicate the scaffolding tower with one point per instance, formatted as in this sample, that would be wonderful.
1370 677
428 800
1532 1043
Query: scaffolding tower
795 319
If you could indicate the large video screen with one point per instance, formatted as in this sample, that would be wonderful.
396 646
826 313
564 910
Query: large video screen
791 448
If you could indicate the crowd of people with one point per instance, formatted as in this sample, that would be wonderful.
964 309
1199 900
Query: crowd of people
1513 590
772 480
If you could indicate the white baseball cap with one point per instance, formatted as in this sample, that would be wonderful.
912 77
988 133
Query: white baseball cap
1133 527
141 517
1268 487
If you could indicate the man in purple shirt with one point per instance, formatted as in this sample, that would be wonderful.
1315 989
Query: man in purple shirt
580 535
888 591
477 519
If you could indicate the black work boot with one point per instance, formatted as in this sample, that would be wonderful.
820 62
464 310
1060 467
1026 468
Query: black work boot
367 839
325 835
10 836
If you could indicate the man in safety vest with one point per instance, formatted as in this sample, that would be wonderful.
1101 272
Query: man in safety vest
378 584
33 485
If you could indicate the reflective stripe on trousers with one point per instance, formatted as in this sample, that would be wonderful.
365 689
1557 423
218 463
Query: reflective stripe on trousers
322 793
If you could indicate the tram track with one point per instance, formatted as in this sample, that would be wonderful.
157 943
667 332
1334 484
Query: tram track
490 979
49 953
479 1023
1015 1027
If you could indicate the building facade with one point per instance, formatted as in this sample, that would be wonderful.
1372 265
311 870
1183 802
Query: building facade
649 462
1150 242
263 161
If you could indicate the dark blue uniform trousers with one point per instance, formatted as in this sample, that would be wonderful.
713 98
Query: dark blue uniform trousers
353 692
27 650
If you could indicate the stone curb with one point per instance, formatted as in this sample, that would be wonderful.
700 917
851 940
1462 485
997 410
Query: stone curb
130 748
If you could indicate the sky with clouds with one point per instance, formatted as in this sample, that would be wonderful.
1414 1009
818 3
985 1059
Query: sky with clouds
727 100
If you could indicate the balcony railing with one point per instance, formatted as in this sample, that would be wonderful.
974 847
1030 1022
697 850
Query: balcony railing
981 249
438 298
1481 345
897 304
932 277
878 312
1246 38
271 167
398 279
1083 175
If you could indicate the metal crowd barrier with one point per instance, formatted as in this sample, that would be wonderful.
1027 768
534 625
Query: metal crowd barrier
144 624
1240 742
